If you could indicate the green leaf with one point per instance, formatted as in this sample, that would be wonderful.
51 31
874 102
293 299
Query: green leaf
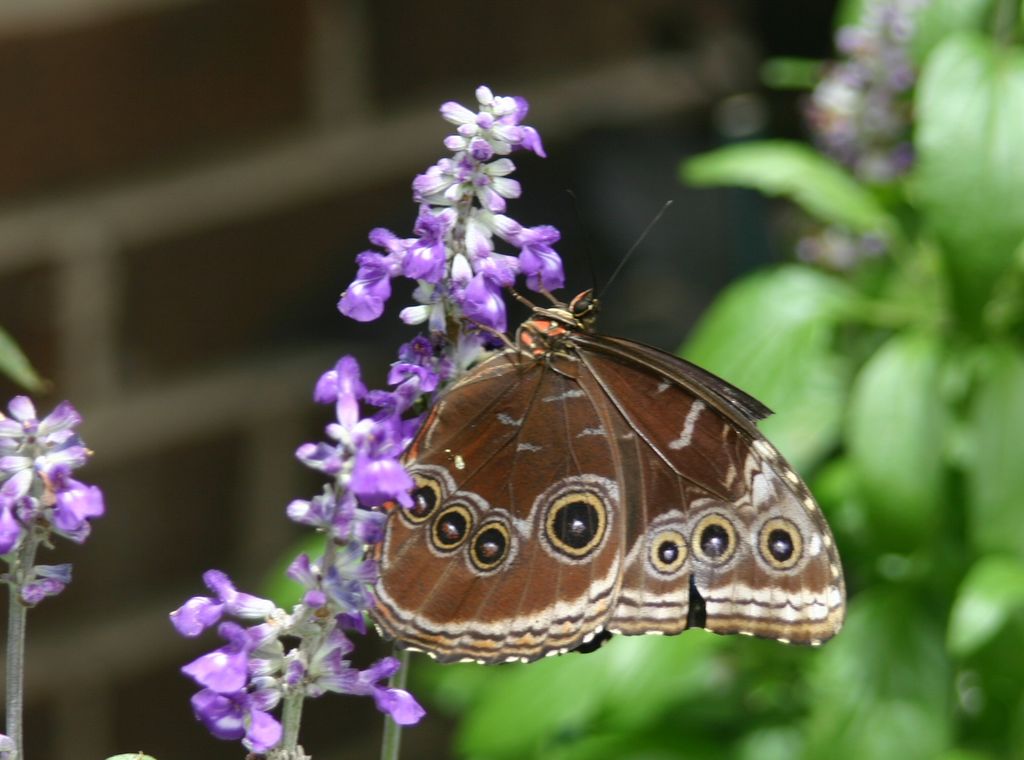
964 754
895 437
992 590
16 365
939 19
995 477
969 177
623 685
849 12
880 689
771 334
793 170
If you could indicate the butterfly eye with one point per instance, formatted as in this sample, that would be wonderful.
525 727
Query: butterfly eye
425 498
576 523
714 540
780 543
451 528
668 551
491 546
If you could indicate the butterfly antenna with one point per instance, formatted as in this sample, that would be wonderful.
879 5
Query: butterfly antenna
526 301
633 248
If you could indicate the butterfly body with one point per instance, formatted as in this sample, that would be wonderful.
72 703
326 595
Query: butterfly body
578 483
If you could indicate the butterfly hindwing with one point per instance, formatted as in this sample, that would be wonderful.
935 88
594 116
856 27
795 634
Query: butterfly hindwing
712 482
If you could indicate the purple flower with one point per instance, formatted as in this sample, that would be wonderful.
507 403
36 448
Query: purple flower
76 503
224 670
238 715
364 299
398 703
462 201
426 256
482 303
53 432
339 517
46 580
343 387
860 111
376 480
330 671
538 260
201 612
348 579
37 490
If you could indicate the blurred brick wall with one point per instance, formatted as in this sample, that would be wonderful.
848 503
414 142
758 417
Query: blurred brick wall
184 185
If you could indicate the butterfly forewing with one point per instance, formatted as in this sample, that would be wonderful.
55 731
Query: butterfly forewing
520 554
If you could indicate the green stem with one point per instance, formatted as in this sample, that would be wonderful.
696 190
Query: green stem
392 739
291 720
17 620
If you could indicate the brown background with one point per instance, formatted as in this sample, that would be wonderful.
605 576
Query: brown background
184 186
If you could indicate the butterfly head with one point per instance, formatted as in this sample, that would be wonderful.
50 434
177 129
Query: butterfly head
584 308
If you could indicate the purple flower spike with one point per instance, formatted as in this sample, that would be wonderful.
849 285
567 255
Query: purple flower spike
37 490
463 200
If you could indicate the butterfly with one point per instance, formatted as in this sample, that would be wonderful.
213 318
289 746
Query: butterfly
576 485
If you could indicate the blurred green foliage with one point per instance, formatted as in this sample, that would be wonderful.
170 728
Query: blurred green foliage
899 390
16 365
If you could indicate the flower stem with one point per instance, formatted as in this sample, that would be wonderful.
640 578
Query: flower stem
17 619
291 720
392 739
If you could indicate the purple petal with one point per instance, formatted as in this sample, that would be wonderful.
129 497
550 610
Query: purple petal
530 139
196 615
10 530
263 731
456 113
75 506
17 485
22 409
223 715
400 705
482 303
220 670
375 481
63 417
425 262
301 571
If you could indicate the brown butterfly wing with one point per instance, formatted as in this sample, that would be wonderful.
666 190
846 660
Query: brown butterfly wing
608 485
515 549
727 536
